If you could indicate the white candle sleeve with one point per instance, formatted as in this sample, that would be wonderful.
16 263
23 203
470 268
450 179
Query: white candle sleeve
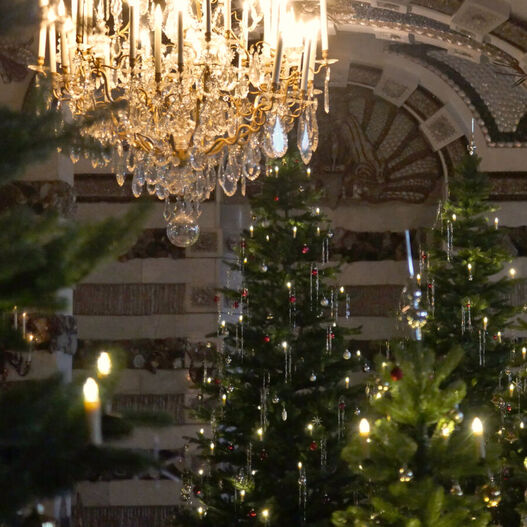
277 62
324 25
52 48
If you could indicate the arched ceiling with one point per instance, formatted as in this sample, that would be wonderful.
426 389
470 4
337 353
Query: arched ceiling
468 54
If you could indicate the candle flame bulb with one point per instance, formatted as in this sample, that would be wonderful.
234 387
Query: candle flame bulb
288 284
454 217
265 513
294 231
496 222
477 427
524 352
511 388
200 511
318 231
499 337
308 172
224 399
104 364
251 230
469 267
284 344
347 381
91 392
300 465
485 323
260 432
310 428
512 272
364 428
212 446
418 278
242 494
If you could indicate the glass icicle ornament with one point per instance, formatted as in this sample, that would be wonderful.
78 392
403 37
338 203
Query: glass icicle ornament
302 490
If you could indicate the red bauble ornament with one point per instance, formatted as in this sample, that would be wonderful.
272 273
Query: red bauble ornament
236 304
332 335
276 198
313 446
267 339
342 406
230 446
292 299
217 381
245 293
252 513
197 490
216 298
396 374
243 244
314 272
305 249
509 407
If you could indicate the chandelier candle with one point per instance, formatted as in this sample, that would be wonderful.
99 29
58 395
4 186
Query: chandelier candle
157 41
42 33
324 27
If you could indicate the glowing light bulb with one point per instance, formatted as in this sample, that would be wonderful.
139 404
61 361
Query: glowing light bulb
288 285
477 427
91 392
341 289
212 446
347 381
104 364
284 345
485 323
512 272
300 465
260 433
364 427
454 217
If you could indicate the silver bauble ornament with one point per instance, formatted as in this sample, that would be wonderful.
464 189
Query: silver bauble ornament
413 306
346 355
313 377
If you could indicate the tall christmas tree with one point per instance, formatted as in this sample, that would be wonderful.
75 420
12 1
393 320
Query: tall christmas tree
473 308
470 307
279 397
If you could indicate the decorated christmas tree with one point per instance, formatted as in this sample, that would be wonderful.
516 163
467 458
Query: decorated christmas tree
278 397
420 463
470 284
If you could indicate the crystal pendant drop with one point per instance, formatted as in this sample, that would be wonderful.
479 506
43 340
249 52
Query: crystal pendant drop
303 140
183 230
120 179
254 71
277 139
137 186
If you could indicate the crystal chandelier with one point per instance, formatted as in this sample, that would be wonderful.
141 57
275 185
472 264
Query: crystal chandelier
210 88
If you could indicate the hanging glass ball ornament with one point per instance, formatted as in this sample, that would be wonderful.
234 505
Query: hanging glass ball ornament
346 355
491 494
412 306
457 415
183 230
275 399
324 302
263 268
405 474
313 377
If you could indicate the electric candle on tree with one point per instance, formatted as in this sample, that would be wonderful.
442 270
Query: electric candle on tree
364 432
92 405
104 364
477 430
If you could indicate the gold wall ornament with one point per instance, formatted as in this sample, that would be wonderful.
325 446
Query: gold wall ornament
204 103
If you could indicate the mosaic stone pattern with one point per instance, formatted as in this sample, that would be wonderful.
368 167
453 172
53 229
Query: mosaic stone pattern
141 516
423 103
374 300
493 83
373 150
172 404
128 299
514 32
449 7
363 75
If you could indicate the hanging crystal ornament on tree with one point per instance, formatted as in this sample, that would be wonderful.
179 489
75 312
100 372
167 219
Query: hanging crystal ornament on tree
302 490
412 302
